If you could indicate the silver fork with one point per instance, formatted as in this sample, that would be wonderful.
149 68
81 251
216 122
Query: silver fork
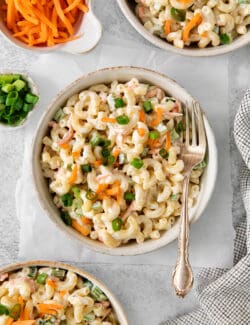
192 154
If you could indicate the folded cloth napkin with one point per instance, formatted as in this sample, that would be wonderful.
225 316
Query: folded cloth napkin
224 296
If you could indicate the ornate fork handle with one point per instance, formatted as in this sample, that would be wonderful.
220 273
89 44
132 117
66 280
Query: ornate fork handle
183 274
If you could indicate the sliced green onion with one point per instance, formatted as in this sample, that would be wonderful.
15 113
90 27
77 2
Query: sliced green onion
31 98
177 14
128 196
76 190
91 195
8 88
89 317
4 310
170 99
86 168
67 200
59 115
107 143
15 311
41 278
108 160
119 102
145 152
154 134
179 127
137 163
105 152
11 98
97 293
147 106
19 84
201 165
59 273
225 39
174 135
88 284
66 218
117 224
164 153
19 104
97 141
174 197
32 272
6 79
122 119
3 98
27 107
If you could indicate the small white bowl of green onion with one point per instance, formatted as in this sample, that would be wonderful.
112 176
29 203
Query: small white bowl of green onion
18 98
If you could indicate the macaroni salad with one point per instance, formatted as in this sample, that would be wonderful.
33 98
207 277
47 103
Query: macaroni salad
200 22
44 296
112 159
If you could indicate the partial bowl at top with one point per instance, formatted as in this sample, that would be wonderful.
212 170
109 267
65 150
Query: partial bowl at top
229 19
87 29
69 155
48 292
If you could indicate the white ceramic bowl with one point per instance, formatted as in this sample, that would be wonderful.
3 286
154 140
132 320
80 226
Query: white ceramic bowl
107 75
34 90
114 302
88 26
128 9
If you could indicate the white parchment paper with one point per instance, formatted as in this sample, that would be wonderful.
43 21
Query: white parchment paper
206 79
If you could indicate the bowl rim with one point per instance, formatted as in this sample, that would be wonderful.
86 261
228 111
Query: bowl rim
123 250
35 90
59 47
112 298
239 42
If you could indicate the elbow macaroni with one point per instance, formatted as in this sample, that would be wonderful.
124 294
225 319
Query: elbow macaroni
91 174
68 300
218 17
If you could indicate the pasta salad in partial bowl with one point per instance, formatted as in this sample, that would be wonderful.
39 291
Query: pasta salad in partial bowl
45 292
106 161
191 27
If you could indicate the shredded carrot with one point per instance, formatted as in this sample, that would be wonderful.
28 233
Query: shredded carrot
54 20
108 120
195 21
141 132
86 221
73 176
83 229
51 283
50 309
168 141
25 315
65 146
142 116
76 154
204 34
154 143
83 7
158 118
97 163
24 322
62 293
101 188
9 321
116 153
167 27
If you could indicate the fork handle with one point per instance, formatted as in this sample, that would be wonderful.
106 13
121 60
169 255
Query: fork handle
183 274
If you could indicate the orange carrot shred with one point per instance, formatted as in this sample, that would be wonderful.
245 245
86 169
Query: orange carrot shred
73 176
167 27
142 116
141 132
168 141
108 120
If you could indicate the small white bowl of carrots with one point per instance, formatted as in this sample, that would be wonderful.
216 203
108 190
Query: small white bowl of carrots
47 25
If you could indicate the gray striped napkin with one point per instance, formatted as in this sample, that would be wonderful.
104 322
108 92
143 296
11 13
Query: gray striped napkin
224 296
